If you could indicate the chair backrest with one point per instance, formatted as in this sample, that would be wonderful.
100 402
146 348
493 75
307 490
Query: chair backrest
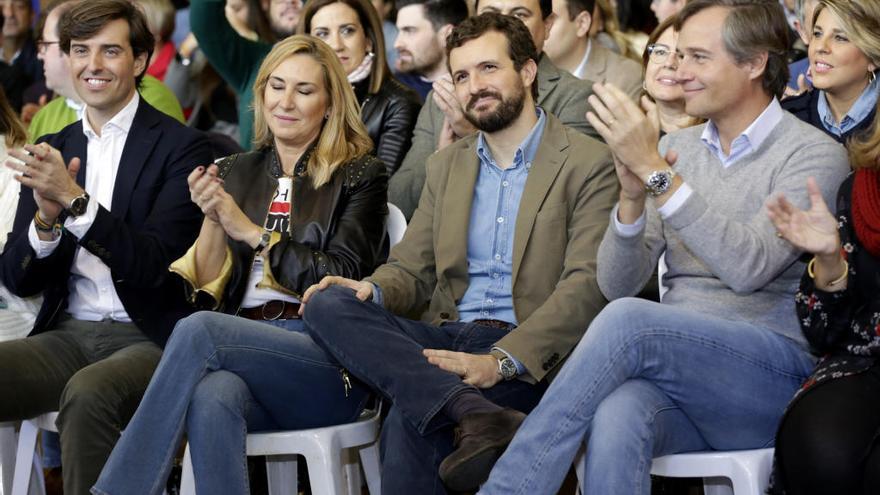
396 224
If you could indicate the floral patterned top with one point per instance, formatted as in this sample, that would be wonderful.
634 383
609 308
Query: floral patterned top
843 327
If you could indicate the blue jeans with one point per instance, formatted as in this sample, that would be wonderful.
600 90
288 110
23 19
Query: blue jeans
646 380
385 351
220 377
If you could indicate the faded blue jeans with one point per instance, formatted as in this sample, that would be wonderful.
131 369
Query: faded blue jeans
220 377
650 379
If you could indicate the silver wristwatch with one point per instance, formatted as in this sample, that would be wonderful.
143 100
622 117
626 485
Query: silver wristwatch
659 181
506 368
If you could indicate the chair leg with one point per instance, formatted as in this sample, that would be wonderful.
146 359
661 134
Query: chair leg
187 481
372 470
325 472
351 471
38 482
282 475
27 443
7 456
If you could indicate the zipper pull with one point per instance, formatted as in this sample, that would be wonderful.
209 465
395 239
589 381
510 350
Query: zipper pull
346 381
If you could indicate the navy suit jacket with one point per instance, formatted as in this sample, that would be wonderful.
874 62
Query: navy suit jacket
152 223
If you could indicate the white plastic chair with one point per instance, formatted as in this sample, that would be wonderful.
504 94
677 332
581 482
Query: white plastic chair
28 477
396 224
737 472
333 469
8 445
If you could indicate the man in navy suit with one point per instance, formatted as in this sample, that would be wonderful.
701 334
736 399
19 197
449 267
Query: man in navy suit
104 209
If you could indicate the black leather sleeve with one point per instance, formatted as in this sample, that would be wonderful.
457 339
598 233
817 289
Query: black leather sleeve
398 117
354 245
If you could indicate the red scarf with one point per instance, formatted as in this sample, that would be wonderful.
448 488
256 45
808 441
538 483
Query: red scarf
866 209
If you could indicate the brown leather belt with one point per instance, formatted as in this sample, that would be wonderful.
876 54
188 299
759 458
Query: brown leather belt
495 324
272 310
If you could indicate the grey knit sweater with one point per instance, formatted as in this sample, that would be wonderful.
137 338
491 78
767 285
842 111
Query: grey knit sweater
722 251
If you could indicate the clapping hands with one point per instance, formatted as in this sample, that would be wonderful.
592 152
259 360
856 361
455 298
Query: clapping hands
813 230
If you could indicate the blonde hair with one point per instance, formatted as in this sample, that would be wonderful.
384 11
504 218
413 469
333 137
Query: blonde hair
10 126
860 20
160 17
343 137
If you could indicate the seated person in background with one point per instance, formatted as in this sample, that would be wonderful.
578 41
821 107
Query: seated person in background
116 182
422 28
250 366
17 315
68 106
660 64
498 259
160 18
798 71
442 119
844 54
713 365
388 108
19 67
570 47
236 58
827 441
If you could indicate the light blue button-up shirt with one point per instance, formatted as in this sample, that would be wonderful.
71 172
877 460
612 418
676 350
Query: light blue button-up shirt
749 140
497 195
856 114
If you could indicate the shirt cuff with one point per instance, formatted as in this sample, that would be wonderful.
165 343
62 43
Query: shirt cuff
674 203
628 229
520 368
79 226
377 295
41 247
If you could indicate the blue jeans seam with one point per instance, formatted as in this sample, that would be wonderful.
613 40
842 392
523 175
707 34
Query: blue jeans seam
293 357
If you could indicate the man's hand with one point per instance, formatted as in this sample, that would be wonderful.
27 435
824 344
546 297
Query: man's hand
479 370
444 97
631 133
363 290
801 88
42 169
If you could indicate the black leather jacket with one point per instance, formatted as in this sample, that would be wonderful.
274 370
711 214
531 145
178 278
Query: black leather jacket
389 116
337 229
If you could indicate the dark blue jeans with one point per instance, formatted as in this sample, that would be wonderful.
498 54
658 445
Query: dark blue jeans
385 352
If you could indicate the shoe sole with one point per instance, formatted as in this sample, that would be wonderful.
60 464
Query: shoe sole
473 471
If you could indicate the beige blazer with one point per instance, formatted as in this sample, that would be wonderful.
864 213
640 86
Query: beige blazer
565 209
605 66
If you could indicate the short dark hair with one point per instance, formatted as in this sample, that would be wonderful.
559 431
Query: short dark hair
439 12
87 18
520 45
546 7
751 27
575 7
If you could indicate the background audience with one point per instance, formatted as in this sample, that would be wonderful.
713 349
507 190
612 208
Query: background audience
388 108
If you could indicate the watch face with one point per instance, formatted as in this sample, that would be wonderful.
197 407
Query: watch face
78 205
659 182
508 369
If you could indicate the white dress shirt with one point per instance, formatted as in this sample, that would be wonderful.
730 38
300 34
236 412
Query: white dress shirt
92 294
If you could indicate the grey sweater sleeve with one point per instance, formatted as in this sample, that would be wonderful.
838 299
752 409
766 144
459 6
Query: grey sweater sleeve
625 264
746 256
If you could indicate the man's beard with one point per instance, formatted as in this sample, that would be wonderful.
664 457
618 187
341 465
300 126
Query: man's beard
508 110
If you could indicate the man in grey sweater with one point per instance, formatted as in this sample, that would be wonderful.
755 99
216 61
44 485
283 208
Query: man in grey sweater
714 364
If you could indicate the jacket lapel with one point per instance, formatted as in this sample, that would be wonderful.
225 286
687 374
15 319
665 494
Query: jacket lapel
139 144
597 64
456 211
548 161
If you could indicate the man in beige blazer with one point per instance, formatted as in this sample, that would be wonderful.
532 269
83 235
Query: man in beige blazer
499 261
570 47
441 120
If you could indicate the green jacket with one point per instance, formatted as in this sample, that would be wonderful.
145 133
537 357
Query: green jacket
236 59
57 114
559 93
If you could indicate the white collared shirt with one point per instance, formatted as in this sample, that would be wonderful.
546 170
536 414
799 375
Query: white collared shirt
92 294
581 70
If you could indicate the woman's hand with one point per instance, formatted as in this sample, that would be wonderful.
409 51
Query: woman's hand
235 223
203 183
813 230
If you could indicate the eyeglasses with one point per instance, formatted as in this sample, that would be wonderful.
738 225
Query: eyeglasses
658 53
42 46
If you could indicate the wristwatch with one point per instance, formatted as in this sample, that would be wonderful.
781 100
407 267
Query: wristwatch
506 368
659 181
78 205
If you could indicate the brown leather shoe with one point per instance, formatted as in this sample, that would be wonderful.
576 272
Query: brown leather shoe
480 440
